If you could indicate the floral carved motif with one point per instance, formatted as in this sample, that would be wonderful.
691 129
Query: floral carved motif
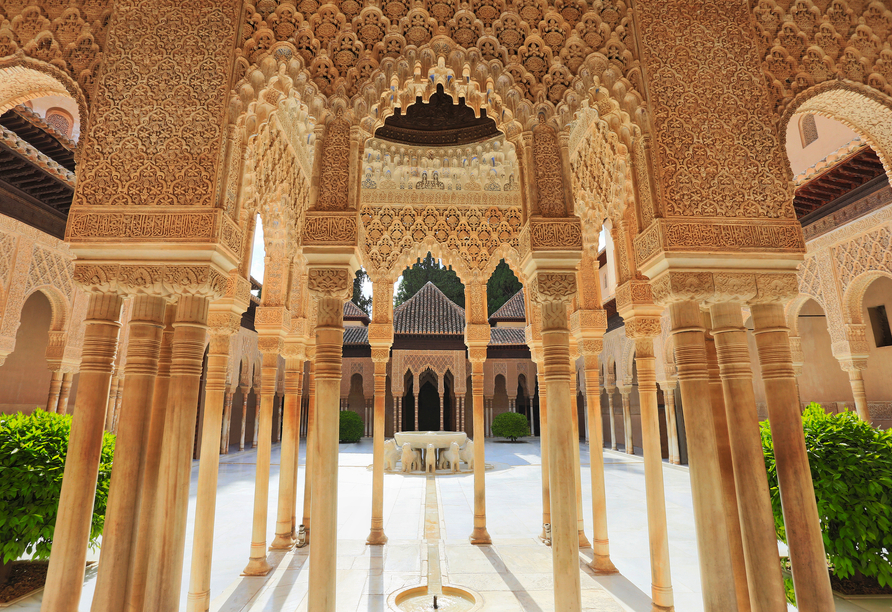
330 282
547 164
335 166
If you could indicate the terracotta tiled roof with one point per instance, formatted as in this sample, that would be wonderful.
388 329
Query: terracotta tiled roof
354 334
512 310
352 312
429 312
501 336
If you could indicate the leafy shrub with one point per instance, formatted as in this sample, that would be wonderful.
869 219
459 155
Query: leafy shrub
511 425
351 427
32 460
851 466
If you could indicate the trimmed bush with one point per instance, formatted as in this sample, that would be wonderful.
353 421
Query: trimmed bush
351 427
851 466
511 425
32 461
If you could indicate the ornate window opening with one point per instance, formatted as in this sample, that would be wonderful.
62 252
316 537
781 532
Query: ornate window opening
879 322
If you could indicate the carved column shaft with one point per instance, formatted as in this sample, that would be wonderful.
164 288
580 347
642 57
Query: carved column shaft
199 598
543 450
612 415
153 446
290 440
263 428
110 403
577 469
726 467
165 568
480 534
764 580
627 421
376 535
227 424
601 562
65 576
810 577
671 425
854 367
298 397
241 440
52 400
329 347
64 393
716 572
311 436
143 350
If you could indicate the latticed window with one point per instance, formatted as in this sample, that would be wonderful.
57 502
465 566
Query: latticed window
808 129
59 121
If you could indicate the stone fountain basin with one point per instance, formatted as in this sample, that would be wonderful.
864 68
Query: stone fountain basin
440 439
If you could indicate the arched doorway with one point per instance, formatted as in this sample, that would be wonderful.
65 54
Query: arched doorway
428 408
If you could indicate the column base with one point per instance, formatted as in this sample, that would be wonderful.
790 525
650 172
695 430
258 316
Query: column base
602 565
614 447
656 608
376 538
198 602
583 541
257 567
480 537
282 542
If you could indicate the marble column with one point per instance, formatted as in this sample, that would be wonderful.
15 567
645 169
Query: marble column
199 597
165 567
118 534
543 451
612 415
119 396
657 528
376 536
149 485
577 470
627 420
258 406
601 562
269 351
479 536
65 576
294 365
227 423
241 441
810 577
52 400
329 347
716 571
64 393
511 404
854 367
726 465
298 393
111 401
311 437
416 410
765 582
369 416
397 413
442 413
668 387
554 292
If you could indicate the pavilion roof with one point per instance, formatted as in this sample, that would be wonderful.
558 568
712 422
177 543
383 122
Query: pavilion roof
512 310
429 312
356 335
507 336
352 312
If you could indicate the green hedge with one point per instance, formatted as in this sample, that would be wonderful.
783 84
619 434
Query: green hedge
851 466
351 427
511 425
32 461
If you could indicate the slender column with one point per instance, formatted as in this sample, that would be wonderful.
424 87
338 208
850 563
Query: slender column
661 583
511 406
119 395
380 356
257 563
241 440
668 388
854 368
397 414
52 400
442 414
612 415
310 468
258 406
149 487
299 398
416 410
543 449
278 416
227 423
110 404
765 583
369 407
65 392
716 573
65 577
329 346
580 517
143 350
810 577
199 597
553 291
479 536
627 420
165 568
601 562
290 438
726 465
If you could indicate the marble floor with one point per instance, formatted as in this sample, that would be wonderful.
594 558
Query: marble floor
513 574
